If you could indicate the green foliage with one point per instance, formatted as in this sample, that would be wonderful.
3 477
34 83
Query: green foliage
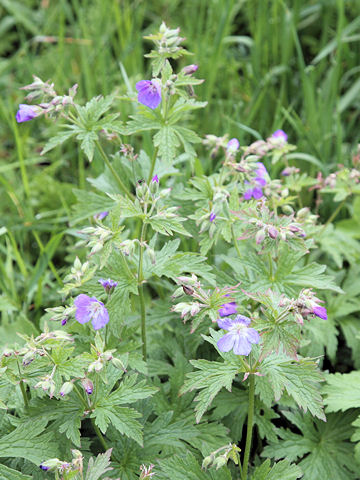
283 470
299 379
323 448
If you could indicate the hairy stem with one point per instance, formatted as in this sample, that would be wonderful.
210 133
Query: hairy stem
141 290
99 435
113 171
235 241
271 270
249 431
22 387
333 216
153 162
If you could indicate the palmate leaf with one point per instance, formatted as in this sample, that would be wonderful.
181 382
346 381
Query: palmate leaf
167 142
98 466
60 138
27 441
324 449
300 379
210 378
172 264
121 418
283 470
7 473
168 225
89 204
187 467
342 391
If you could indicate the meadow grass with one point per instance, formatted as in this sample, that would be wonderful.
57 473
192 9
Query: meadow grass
268 64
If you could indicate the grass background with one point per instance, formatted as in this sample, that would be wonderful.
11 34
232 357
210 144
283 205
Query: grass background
268 64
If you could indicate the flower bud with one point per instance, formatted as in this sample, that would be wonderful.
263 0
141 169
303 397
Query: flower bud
87 385
190 69
220 462
260 236
287 209
118 364
154 185
273 232
28 358
206 462
66 388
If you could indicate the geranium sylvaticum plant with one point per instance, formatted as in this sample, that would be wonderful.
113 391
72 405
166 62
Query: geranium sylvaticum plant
177 346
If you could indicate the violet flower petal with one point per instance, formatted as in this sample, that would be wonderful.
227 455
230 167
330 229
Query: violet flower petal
226 343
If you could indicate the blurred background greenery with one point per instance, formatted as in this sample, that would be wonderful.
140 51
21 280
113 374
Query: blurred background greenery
267 64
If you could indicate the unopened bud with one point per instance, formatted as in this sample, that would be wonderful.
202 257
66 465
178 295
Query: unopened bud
260 236
273 232
87 385
287 209
190 69
220 462
118 364
66 388
187 290
206 462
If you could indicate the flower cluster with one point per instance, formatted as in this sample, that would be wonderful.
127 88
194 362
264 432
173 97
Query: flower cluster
306 304
52 103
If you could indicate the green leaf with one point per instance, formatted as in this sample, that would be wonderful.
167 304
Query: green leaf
300 380
168 225
283 470
87 144
121 418
96 468
130 391
7 473
324 448
125 207
187 467
210 378
27 441
59 139
167 142
342 391
89 204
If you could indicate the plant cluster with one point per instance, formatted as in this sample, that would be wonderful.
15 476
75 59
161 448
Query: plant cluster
187 339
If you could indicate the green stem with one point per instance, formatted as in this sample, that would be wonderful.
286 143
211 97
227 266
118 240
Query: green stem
83 401
333 216
22 387
141 290
235 241
113 171
153 162
271 268
24 394
99 435
249 431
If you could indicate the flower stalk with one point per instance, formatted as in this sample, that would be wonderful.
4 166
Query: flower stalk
249 431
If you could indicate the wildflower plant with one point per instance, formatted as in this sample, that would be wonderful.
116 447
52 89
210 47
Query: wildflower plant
186 314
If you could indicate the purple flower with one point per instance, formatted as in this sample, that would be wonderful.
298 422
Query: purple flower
257 183
233 145
90 308
101 215
190 69
149 93
108 284
212 216
26 113
88 385
227 309
320 312
64 321
280 134
240 337
155 179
